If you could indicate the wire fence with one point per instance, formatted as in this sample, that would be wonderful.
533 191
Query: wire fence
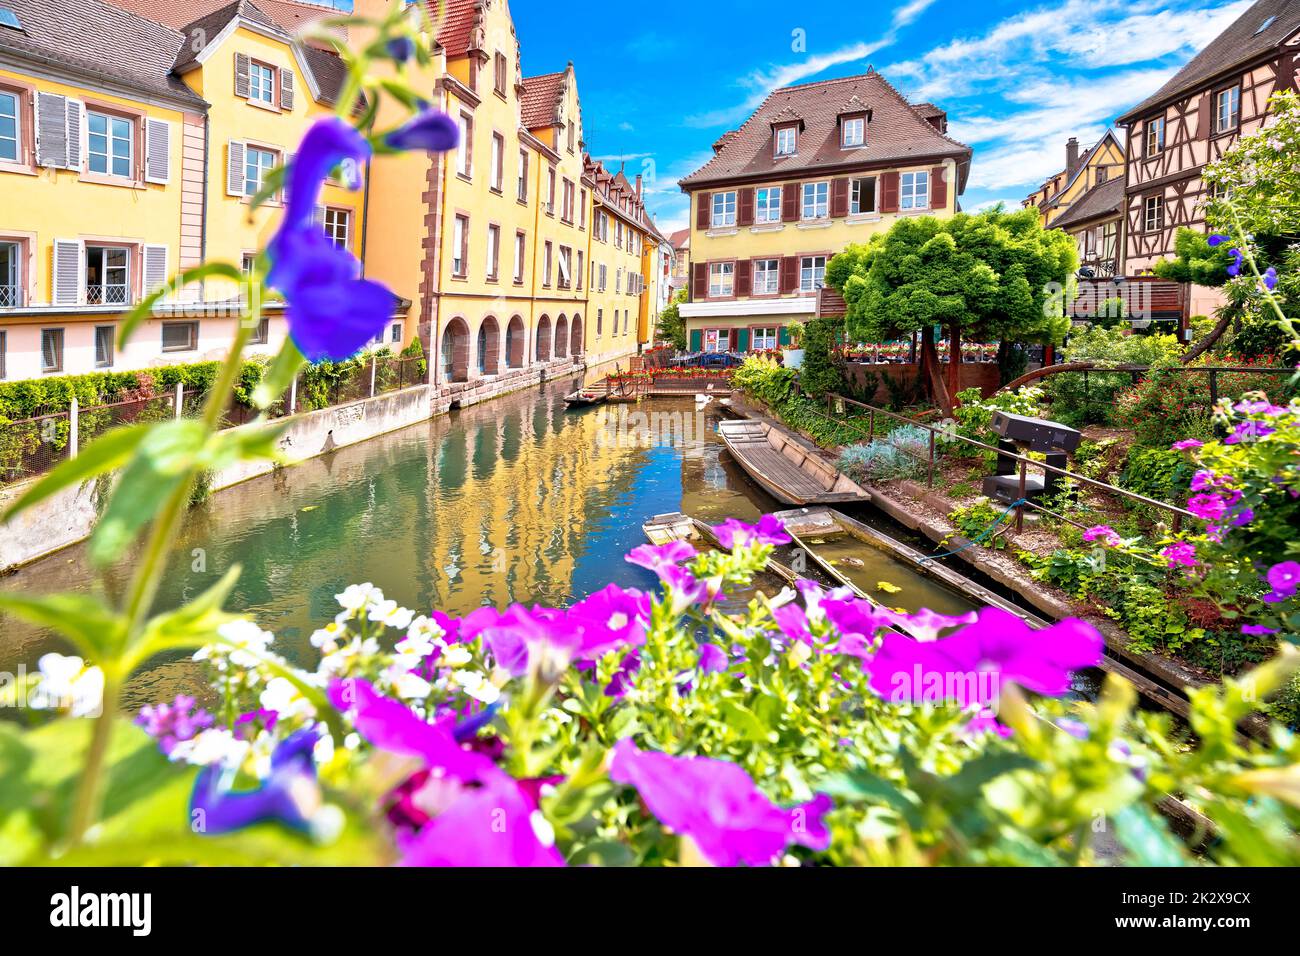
33 446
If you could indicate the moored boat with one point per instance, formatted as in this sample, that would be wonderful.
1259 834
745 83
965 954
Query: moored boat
786 469
584 397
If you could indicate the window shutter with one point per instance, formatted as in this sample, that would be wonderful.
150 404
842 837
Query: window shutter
69 272
703 212
235 168
700 282
155 268
742 340
51 130
839 198
889 192
76 132
790 202
745 215
789 274
157 150
286 89
1204 117
241 75
697 340
743 283
939 188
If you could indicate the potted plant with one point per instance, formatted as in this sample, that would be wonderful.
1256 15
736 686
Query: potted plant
794 354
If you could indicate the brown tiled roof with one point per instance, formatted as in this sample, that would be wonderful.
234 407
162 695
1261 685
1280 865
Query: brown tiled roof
211 24
1236 46
896 132
99 40
1103 200
679 238
455 21
541 100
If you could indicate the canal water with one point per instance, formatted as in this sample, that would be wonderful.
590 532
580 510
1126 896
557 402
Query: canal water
517 499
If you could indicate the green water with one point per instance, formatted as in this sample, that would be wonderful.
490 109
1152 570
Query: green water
513 500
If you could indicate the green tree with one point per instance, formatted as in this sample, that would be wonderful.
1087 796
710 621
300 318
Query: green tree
672 327
992 275
820 372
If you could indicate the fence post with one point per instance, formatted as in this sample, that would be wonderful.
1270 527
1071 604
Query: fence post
374 361
74 419
930 477
180 399
1020 508
293 396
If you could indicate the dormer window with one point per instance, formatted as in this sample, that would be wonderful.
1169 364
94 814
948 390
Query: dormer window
853 132
787 140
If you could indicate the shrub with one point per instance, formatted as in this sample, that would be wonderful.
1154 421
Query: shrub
902 454
1157 473
1079 399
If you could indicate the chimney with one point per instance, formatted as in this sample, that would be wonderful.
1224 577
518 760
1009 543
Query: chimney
638 187
1071 157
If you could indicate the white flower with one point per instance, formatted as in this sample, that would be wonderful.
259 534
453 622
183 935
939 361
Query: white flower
214 745
457 656
389 614
327 637
67 684
419 647
409 686
424 628
357 596
285 699
476 685
250 644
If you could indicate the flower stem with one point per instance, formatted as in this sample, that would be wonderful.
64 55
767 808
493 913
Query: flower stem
86 808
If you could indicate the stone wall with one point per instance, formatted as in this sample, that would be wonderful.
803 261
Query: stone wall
981 375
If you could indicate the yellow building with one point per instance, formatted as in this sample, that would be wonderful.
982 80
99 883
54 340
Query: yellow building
1086 201
816 167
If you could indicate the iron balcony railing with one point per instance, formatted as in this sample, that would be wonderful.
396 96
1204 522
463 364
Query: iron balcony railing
11 296
106 295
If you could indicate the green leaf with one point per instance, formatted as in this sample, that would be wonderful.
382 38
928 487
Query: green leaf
145 308
745 723
106 453
190 626
95 630
278 375
861 786
1147 838
977 772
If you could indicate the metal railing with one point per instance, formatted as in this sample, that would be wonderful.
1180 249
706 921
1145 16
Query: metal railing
11 296
1137 372
947 434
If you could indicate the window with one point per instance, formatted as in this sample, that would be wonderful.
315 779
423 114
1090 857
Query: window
1155 135
572 132
914 191
108 142
500 79
566 210
580 272
717 340
1102 174
582 209
787 139
1154 213
107 275
764 339
767 204
767 276
550 191
493 251
498 161
618 235
262 334
395 333
566 267
1227 109
722 277
51 350
600 321
1109 239
862 195
520 242
257 163
812 273
103 346
247 263
337 225
460 247
11 289
261 83
465 149
547 256
855 132
523 176
724 210
816 199
180 336
10 120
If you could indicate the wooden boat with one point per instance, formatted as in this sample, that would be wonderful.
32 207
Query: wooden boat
785 562
787 470
584 397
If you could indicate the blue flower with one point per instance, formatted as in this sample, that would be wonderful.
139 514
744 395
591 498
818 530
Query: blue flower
1217 240
290 794
1234 270
432 131
1270 278
401 48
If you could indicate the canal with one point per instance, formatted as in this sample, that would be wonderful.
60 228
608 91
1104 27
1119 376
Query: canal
517 499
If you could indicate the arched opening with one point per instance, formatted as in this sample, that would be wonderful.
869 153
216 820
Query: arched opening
516 342
454 353
543 352
576 345
489 347
561 337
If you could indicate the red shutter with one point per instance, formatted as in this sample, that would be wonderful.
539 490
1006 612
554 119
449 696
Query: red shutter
938 188
889 192
789 274
790 202
700 282
703 212
746 211
839 198
743 287
1204 118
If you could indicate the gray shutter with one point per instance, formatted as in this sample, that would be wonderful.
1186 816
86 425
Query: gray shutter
241 75
286 89
157 150
235 168
69 272
76 132
155 268
51 130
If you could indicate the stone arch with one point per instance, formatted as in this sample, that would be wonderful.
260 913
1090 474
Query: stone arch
561 337
487 349
516 343
576 344
543 350
453 351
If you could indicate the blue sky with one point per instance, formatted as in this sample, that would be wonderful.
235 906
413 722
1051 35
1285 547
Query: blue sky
1016 78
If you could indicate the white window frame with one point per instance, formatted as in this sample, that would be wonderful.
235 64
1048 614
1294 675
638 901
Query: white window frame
337 224
466 124
11 280
111 330
191 344
498 161
109 154
767 205
855 195
256 72
1153 205
767 277
459 243
1232 98
722 280
101 251
253 186
787 136
493 250
808 273
764 338
815 201
1153 133
17 117
521 244
858 124
914 190
723 210
57 337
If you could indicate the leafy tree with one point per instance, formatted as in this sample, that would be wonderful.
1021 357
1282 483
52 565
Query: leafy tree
1195 260
820 372
992 275
672 327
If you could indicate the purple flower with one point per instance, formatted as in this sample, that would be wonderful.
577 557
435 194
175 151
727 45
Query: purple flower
793 622
1284 577
968 667
611 618
716 804
658 558
685 590
432 131
1204 479
1243 517
713 659
1270 278
290 794
1211 507
1217 240
332 312
169 724
1186 443
400 48
1247 430
1256 629
1180 553
733 534
1235 268
1074 727
1104 533
622 679
925 625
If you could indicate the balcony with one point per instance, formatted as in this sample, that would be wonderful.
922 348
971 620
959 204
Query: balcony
106 295
11 297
